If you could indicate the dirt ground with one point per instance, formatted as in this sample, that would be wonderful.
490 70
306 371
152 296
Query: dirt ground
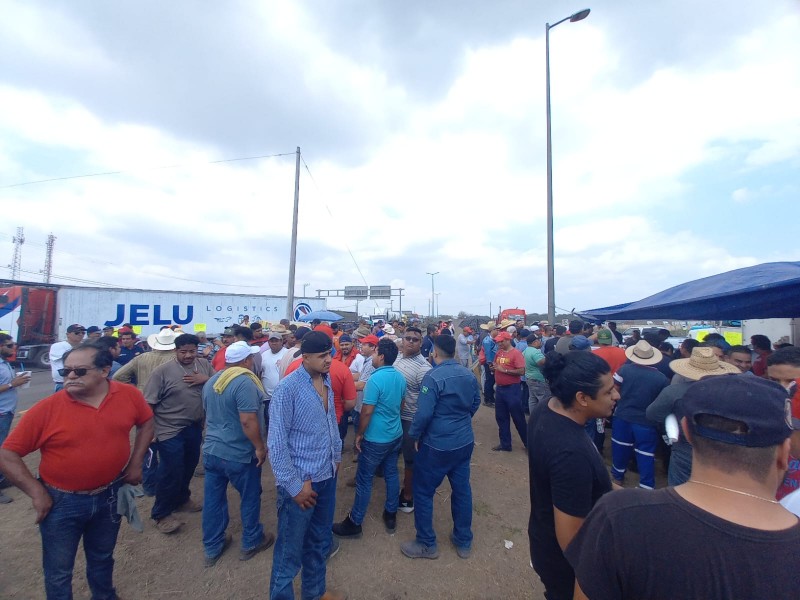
151 565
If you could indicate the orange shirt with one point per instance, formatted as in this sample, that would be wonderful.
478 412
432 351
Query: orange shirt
346 360
82 447
613 355
342 384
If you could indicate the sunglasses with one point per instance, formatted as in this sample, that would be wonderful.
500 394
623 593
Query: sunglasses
79 372
412 339
10 345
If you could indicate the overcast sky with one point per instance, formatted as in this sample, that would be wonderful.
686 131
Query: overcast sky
676 144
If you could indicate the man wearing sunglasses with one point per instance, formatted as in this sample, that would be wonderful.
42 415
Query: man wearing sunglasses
9 382
413 367
83 435
58 350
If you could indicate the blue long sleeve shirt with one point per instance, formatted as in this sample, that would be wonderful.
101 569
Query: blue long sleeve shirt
303 439
489 348
448 399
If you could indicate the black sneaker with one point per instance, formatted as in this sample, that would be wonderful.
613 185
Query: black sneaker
406 506
390 521
346 529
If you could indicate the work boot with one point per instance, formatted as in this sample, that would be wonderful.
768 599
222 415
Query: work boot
346 529
190 506
266 542
168 524
210 561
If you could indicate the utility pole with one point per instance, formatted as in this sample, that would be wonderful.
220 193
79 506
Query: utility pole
293 253
433 292
48 259
16 262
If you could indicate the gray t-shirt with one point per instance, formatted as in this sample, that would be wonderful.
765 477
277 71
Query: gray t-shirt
413 369
175 404
225 437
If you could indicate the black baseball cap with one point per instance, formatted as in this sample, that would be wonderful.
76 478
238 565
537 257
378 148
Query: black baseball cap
93 329
75 328
763 406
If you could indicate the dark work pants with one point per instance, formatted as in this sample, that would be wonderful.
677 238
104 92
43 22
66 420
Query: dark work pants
488 386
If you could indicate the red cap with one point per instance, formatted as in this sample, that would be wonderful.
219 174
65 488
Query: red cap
503 335
370 339
324 329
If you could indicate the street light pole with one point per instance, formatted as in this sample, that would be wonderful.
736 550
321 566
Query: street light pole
305 285
433 292
551 292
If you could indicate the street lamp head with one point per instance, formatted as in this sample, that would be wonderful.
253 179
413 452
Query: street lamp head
580 16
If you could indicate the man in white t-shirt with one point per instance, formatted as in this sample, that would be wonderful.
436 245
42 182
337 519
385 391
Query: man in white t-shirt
75 334
271 354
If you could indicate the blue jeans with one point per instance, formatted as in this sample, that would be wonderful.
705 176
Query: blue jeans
178 458
304 540
374 455
488 385
5 427
246 479
150 470
429 471
343 424
538 391
72 517
508 407
627 437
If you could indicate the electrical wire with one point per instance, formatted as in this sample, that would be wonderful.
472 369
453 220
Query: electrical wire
327 208
106 173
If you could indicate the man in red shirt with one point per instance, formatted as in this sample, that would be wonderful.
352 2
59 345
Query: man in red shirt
344 388
83 434
508 367
613 355
347 353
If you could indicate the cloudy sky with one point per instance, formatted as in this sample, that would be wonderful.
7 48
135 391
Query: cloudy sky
676 141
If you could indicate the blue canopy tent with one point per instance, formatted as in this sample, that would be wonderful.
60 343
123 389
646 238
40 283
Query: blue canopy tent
769 290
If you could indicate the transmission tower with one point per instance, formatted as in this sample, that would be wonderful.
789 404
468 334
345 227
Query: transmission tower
48 259
16 264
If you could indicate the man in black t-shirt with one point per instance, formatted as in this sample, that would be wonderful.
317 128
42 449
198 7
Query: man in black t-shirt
721 534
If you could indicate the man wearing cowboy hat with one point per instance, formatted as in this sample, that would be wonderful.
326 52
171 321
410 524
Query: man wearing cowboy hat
138 371
639 382
489 352
702 363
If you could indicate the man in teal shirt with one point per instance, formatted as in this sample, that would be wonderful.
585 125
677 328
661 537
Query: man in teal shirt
378 440
538 390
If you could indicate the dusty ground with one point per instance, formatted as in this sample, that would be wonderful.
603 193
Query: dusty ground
152 565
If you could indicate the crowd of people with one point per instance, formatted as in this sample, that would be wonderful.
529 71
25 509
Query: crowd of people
723 418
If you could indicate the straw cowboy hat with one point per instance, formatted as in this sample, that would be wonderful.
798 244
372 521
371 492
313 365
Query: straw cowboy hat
506 323
163 340
702 363
643 354
489 326
279 329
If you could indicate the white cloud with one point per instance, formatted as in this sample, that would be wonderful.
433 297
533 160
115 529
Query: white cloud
456 184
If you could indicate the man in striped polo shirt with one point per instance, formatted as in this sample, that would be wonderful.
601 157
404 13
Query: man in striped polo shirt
305 451
413 367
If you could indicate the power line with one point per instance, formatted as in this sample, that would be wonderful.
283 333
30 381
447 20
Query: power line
106 173
349 251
